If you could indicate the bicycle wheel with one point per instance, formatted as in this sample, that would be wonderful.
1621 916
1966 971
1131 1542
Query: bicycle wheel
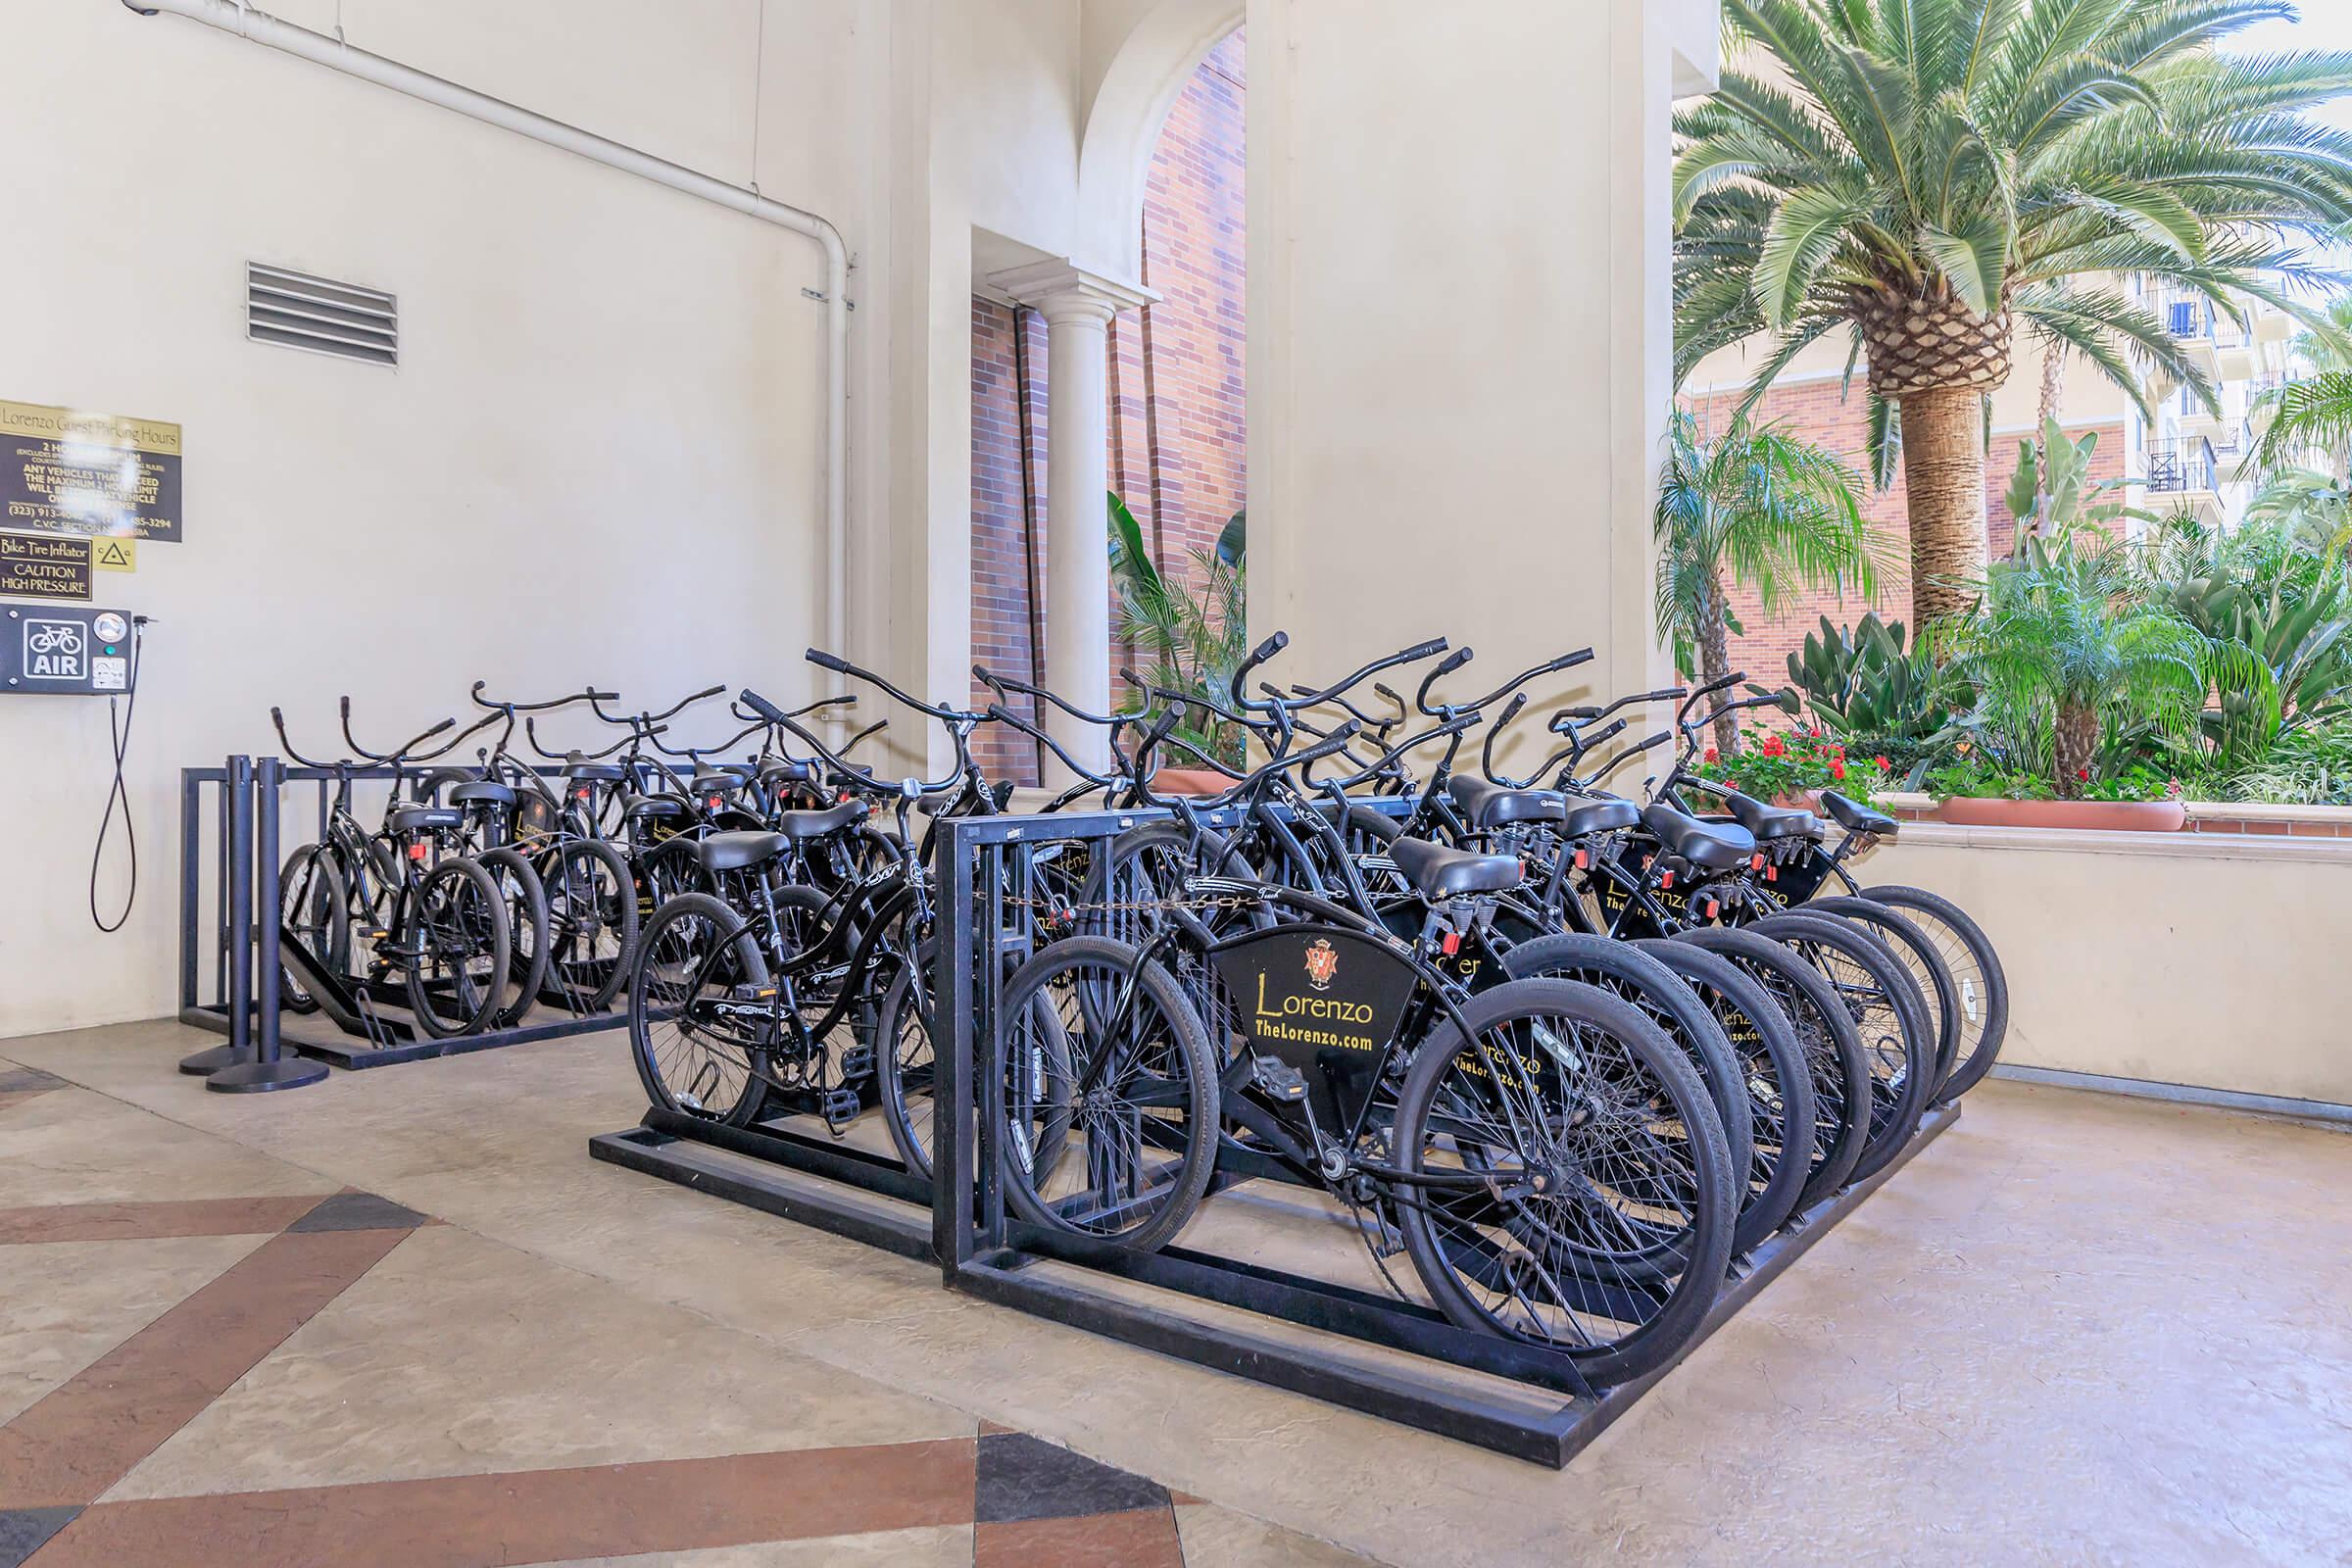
592 923
313 909
1983 987
459 949
1882 997
1110 1095
700 1031
524 897
1621 968
1595 1202
905 1066
1831 1045
1774 1073
1936 987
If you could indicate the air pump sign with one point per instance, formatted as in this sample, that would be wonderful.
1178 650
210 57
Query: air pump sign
66 651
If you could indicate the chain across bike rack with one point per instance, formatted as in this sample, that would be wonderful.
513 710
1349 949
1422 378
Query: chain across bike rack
241 803
1374 1353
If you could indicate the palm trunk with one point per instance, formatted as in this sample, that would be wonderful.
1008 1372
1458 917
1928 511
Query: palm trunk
1943 473
2074 742
1715 660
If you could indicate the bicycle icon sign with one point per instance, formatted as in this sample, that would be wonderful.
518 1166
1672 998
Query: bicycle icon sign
55 650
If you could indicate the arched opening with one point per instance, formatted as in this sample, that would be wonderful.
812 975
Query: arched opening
1177 390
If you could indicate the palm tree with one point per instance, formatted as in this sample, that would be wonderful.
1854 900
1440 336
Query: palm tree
1773 510
1927 175
2065 645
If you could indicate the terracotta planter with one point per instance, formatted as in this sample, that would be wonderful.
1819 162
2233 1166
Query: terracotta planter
1189 781
2096 816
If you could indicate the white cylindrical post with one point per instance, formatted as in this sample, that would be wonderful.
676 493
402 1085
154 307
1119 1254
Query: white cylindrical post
1077 306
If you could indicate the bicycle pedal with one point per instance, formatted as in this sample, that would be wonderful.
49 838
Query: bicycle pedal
751 992
858 1063
840 1108
1278 1080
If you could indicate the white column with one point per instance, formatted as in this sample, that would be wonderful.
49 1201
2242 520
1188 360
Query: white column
1077 306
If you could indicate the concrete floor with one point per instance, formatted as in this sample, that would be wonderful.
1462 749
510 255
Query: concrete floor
2076 1330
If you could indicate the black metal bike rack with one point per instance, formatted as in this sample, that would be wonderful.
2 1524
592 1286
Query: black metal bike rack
354 1027
1375 1354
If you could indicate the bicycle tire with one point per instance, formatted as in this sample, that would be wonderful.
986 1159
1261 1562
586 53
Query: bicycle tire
736 1105
1983 1026
525 904
1937 987
1776 1076
1833 1049
581 916
1668 1001
1900 1048
486 939
1194 1090
1650 1066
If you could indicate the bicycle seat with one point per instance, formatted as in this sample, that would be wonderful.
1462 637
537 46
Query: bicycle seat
598 772
717 783
735 852
1609 815
425 818
1708 846
816 825
775 773
1437 871
1491 805
1856 818
653 806
1772 821
482 790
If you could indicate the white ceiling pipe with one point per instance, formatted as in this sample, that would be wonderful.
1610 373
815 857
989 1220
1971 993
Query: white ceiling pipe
231 17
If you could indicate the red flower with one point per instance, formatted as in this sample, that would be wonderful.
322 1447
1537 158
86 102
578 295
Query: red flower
1885 766
2083 773
1711 755
1772 746
1837 770
1836 751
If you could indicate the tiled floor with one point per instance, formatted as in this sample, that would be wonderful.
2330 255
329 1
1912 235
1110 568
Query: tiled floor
402 1318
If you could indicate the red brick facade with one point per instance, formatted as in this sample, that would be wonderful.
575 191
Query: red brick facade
1178 388
1814 410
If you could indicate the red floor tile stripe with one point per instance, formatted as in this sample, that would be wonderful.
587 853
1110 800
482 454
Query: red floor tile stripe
540 1515
86 1434
1145 1537
142 1222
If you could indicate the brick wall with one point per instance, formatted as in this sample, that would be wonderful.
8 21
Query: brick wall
1815 411
1177 389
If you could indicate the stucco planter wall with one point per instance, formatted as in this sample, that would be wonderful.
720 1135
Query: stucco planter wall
2085 816
2170 958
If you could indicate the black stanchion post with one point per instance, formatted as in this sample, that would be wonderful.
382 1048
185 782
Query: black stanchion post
269 1069
954 1182
234 898
191 880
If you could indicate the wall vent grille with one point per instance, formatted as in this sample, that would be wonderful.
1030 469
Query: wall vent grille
296 311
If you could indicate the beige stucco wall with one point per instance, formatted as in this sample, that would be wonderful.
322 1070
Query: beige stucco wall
1459 329
2181 958
601 454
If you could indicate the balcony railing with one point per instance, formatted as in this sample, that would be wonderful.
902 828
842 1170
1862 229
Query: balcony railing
2184 315
2184 465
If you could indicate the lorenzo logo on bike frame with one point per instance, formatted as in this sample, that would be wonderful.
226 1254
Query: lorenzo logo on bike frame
1270 979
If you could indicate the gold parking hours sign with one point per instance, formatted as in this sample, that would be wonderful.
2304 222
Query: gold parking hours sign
64 470
50 567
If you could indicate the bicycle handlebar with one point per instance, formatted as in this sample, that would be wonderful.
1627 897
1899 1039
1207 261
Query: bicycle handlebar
671 711
1445 667
841 667
1413 655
